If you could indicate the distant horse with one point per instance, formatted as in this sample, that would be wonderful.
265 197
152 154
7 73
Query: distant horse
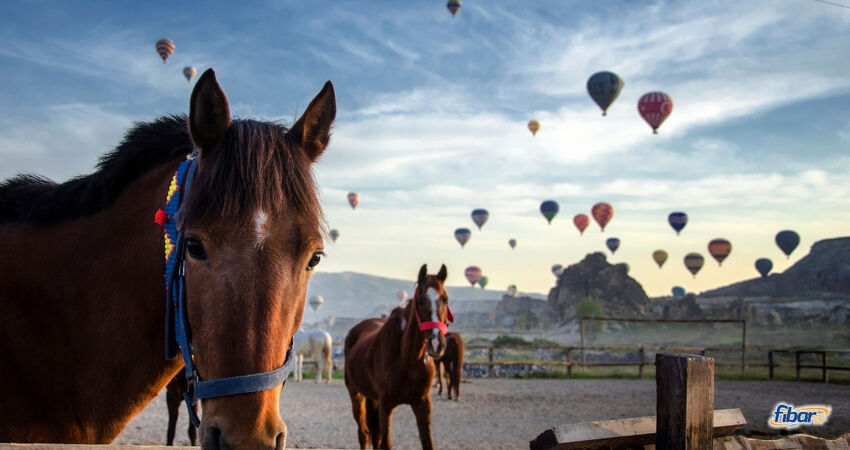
83 286
388 362
452 361
318 344
174 391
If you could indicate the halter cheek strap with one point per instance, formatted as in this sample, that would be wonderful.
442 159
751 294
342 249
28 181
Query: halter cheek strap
176 322
425 326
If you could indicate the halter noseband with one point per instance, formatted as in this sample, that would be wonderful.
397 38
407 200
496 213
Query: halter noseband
176 324
425 326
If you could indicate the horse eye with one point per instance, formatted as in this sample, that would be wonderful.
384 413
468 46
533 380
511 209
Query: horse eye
195 249
315 260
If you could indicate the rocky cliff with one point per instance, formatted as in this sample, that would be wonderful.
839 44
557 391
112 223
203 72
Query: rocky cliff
607 284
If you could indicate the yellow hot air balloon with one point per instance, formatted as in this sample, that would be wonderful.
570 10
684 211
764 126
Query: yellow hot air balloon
189 72
659 256
534 127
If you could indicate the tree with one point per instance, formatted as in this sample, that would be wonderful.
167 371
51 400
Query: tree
589 308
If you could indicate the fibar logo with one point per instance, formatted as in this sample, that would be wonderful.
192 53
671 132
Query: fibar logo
785 415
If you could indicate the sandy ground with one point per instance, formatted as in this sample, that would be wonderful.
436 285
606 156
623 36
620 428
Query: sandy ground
506 413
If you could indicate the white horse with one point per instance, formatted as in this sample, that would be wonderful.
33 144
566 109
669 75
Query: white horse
316 343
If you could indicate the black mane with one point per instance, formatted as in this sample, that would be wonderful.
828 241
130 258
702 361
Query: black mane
38 200
266 172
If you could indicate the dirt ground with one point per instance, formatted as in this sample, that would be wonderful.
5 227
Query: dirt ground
507 413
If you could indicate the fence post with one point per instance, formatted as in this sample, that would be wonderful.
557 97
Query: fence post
581 333
770 364
640 366
569 363
684 402
491 370
797 358
744 348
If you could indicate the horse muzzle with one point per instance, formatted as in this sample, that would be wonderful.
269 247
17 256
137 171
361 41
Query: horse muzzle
435 343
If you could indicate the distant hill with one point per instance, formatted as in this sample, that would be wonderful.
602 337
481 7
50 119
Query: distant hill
816 274
352 294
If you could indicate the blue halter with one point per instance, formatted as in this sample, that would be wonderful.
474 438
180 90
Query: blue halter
176 324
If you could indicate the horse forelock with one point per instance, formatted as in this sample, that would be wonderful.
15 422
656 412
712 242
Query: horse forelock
256 168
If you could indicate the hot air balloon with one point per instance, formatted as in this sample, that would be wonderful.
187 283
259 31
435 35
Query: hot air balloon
165 48
534 127
353 199
678 291
401 295
654 107
660 256
480 216
719 249
473 274
512 243
189 72
764 266
557 270
462 235
512 290
316 301
549 209
453 6
581 222
787 240
483 282
334 235
677 220
602 214
604 87
694 261
613 244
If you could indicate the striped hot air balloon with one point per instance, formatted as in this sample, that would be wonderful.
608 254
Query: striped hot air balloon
659 256
581 221
677 220
462 235
694 262
165 48
602 214
534 127
654 107
473 274
480 216
719 249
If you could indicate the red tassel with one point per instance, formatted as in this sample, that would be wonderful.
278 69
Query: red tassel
161 217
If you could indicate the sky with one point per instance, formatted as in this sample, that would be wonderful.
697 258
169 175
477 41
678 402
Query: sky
432 114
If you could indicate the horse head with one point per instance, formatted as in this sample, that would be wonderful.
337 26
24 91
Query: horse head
251 224
432 309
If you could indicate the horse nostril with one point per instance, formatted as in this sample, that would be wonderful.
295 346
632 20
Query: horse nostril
212 435
280 442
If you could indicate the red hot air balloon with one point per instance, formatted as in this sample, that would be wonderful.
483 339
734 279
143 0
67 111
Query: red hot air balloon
581 222
353 199
165 48
473 274
654 107
602 214
719 249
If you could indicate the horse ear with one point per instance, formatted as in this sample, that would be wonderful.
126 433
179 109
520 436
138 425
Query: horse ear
442 274
423 272
209 113
312 130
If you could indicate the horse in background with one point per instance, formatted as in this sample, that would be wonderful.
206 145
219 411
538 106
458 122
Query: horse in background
85 257
317 344
173 399
452 362
388 362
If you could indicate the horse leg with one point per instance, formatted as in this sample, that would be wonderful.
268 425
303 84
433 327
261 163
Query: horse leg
374 422
172 400
440 377
319 368
328 362
455 376
422 411
359 409
385 412
193 432
449 379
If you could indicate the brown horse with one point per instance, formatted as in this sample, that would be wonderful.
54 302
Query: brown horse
173 400
82 292
452 361
388 362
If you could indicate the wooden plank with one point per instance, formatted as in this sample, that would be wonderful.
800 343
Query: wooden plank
685 401
623 432
16 446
